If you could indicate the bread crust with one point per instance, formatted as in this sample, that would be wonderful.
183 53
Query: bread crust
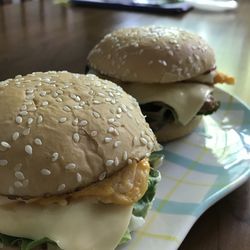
173 131
61 131
153 54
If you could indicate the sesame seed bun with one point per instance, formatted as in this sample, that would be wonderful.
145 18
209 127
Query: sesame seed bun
151 55
60 132
173 131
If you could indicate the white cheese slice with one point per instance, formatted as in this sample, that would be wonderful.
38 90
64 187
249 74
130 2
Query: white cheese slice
186 99
84 225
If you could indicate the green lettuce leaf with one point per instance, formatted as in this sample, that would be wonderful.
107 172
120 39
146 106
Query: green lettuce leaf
126 237
143 205
23 243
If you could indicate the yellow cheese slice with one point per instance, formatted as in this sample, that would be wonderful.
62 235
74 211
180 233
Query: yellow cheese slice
186 99
81 225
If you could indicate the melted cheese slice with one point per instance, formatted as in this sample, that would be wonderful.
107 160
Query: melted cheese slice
125 187
186 99
81 225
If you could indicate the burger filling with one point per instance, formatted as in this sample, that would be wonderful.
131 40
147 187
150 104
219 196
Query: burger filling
159 114
46 222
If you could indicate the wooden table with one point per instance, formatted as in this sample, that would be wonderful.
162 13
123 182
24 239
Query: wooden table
40 36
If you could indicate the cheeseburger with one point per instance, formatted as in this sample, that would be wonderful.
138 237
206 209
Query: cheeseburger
171 72
74 167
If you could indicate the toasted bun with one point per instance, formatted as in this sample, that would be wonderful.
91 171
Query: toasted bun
61 131
174 131
151 55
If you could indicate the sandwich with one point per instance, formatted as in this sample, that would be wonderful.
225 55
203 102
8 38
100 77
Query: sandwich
74 163
171 72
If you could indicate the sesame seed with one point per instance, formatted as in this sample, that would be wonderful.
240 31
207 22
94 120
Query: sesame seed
130 161
116 161
63 119
55 156
96 114
28 149
143 141
125 155
70 166
5 144
76 137
108 99
45 103
43 93
78 177
11 190
93 133
30 120
78 99
54 94
38 141
75 122
148 154
77 107
59 91
111 94
31 109
3 163
102 176
26 131
118 116
117 143
66 108
29 91
23 113
19 175
83 123
15 136
61 187
18 184
40 119
124 108
119 110
170 52
111 120
45 171
58 99
116 132
163 62
19 119
111 129
82 103
109 163
101 94
107 139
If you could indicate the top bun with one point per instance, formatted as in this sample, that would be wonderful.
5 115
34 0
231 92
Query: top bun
61 131
151 55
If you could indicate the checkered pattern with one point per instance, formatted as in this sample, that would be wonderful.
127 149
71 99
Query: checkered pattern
199 170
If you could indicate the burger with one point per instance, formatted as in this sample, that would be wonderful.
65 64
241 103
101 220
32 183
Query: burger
170 71
74 163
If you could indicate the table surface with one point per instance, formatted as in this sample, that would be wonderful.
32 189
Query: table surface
40 36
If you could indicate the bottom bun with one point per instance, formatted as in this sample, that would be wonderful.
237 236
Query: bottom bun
172 131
